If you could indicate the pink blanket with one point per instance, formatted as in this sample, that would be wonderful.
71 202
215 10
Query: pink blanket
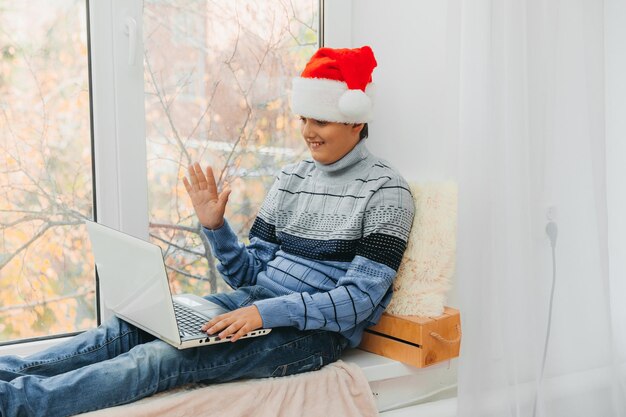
338 389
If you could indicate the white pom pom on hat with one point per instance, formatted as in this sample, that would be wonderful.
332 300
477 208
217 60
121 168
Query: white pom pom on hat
355 104
336 86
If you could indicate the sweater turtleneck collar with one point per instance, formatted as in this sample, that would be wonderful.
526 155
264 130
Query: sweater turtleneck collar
356 155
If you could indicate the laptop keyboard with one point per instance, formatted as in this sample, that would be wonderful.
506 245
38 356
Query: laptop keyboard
189 322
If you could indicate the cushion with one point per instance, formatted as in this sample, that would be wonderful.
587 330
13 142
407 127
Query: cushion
428 264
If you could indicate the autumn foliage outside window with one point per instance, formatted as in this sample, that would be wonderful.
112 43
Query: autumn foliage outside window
46 273
216 78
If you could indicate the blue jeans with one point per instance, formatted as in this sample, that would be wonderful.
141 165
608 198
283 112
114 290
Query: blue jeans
118 363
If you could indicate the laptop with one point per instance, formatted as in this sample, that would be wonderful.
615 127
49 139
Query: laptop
134 286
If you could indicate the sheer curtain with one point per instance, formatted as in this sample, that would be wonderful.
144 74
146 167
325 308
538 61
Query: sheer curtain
534 130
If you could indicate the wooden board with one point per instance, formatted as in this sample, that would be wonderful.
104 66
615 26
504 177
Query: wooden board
410 339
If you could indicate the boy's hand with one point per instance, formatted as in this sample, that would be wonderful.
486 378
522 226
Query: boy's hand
209 206
237 322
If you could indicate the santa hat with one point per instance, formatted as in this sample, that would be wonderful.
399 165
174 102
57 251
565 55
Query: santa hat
336 86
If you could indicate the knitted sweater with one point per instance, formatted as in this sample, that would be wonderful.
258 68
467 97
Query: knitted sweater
327 240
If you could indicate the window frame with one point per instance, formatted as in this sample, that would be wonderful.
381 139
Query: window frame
118 121
336 23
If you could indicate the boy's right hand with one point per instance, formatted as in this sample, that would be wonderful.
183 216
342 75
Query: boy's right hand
209 206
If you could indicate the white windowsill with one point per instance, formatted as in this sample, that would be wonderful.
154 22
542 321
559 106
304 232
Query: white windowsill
377 368
28 348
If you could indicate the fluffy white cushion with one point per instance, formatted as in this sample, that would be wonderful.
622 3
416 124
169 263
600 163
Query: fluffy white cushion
429 261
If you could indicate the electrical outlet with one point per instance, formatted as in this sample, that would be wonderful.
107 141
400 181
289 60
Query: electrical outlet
551 225
551 213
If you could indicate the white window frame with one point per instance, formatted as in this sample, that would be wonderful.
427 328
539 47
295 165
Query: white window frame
117 94
118 115
336 31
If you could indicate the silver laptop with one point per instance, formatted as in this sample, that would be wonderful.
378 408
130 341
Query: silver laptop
134 286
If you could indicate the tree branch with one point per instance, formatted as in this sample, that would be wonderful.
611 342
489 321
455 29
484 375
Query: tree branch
187 274
195 230
5 309
177 246
4 261
166 109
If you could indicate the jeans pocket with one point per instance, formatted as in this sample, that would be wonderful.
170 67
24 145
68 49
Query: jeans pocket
310 363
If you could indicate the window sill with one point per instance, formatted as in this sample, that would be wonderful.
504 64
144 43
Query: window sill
28 348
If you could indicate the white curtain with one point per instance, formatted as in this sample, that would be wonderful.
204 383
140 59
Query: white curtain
536 119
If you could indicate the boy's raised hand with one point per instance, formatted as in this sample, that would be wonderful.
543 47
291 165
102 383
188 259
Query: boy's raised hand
208 204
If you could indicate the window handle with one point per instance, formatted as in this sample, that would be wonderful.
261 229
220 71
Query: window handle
131 31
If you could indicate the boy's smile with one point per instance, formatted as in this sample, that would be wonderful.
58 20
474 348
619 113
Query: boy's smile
328 142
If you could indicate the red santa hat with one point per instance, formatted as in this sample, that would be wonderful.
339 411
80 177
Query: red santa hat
336 86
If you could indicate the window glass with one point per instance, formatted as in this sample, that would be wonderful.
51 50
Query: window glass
47 283
217 80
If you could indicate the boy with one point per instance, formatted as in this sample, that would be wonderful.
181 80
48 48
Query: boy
323 252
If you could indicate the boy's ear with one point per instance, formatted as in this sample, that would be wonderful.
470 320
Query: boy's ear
358 127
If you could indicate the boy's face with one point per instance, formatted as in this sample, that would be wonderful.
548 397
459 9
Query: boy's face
328 142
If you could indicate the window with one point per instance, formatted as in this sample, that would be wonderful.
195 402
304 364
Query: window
47 283
216 79
216 76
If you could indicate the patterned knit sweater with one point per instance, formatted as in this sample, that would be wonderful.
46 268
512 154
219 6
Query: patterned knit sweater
327 240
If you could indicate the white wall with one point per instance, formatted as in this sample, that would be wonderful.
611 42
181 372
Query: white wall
615 70
416 44
417 78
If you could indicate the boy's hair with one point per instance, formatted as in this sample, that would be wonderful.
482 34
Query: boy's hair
363 133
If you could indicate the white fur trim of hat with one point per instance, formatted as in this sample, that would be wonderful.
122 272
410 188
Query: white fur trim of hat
331 101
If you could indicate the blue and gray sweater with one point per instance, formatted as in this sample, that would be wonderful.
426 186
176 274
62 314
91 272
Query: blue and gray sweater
328 240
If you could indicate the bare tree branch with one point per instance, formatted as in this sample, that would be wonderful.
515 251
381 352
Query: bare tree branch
175 227
25 219
166 108
6 309
203 254
206 110
4 261
187 274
